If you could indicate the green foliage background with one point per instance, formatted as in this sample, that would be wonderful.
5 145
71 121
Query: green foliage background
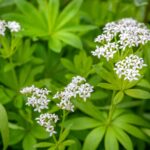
54 45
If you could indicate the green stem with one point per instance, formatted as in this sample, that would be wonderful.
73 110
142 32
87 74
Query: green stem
54 138
111 110
63 120
13 71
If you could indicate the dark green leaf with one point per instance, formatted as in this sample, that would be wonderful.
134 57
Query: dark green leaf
68 64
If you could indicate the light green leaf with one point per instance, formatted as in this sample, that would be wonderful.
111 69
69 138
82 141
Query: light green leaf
29 142
4 127
69 38
53 10
55 44
89 109
118 97
68 142
26 7
144 83
94 138
43 144
39 132
111 142
108 86
105 74
138 93
79 28
82 123
16 136
123 138
68 13
65 133
134 131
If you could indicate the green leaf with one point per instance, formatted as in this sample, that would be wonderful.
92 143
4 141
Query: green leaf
138 93
111 142
134 131
68 13
68 142
82 123
108 86
79 28
76 145
69 38
39 132
4 127
55 44
123 138
53 10
133 119
105 74
68 64
43 144
65 133
144 83
29 142
94 138
118 97
26 7
89 109
16 136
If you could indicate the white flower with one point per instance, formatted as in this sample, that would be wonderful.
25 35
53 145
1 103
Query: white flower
129 67
2 27
77 87
13 26
85 91
107 51
125 33
37 97
48 121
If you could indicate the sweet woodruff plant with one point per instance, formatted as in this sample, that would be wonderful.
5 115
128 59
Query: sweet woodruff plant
119 49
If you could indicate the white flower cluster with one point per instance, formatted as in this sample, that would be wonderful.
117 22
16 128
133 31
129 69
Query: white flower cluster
13 26
125 33
107 51
48 121
129 67
77 87
37 97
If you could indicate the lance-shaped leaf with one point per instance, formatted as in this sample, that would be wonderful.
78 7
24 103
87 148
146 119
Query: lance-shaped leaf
123 138
94 138
4 127
138 93
68 13
82 123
